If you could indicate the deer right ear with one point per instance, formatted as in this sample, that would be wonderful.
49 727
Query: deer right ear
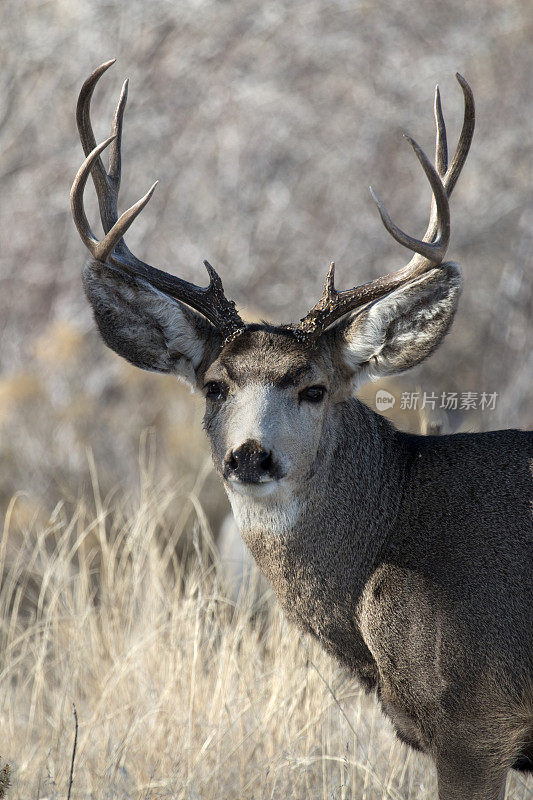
148 328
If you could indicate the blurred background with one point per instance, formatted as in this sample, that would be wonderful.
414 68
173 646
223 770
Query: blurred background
264 123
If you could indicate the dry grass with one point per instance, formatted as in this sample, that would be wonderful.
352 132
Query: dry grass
179 692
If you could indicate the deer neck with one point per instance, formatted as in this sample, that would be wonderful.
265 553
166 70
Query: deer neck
319 542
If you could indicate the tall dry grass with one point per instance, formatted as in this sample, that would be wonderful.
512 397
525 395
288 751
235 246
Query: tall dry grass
179 692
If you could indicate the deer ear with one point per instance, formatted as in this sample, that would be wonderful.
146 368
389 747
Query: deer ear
148 328
401 329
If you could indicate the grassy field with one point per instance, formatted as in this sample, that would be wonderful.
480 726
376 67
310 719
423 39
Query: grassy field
178 691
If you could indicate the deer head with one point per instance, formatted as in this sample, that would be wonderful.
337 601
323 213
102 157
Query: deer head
272 391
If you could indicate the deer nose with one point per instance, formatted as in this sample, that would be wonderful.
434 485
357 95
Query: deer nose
249 463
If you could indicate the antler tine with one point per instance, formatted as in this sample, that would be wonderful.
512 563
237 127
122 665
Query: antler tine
450 174
112 249
433 251
108 210
429 251
101 250
441 144
115 152
76 197
465 139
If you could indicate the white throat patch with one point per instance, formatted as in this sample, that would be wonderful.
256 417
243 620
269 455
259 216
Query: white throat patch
276 513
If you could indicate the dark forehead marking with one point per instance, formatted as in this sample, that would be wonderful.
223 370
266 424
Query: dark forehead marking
293 375
264 352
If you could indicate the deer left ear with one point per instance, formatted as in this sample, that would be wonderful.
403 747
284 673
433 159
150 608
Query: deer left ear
401 329
148 328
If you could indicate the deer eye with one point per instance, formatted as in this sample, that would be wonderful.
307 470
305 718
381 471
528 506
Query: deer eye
313 394
215 390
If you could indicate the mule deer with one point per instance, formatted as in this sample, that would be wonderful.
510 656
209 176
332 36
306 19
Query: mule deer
409 558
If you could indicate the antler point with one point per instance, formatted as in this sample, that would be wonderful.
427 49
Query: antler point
150 191
416 147
215 281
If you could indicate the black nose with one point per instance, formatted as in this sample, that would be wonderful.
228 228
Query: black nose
249 462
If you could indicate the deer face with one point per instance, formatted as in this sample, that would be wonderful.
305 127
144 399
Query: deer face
268 397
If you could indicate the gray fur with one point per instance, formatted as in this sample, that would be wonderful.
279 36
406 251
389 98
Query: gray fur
409 558
145 326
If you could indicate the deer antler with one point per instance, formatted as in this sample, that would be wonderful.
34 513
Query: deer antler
429 251
210 300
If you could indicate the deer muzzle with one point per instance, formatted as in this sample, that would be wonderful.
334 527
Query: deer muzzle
250 463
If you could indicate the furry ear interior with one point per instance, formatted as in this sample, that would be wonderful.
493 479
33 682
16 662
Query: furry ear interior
148 328
401 329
